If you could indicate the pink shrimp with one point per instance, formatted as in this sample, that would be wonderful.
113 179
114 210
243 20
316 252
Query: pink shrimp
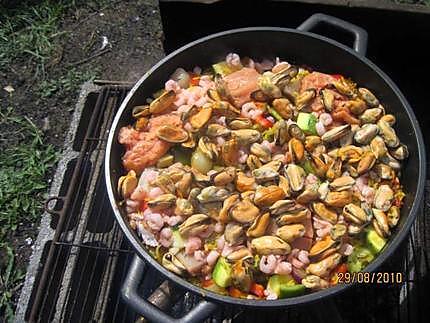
250 110
192 244
220 141
368 194
283 268
297 263
227 249
132 206
172 85
268 264
221 121
166 237
319 126
326 119
153 220
174 220
183 108
220 243
311 180
303 256
212 257
233 59
243 156
200 256
155 192
206 82
219 227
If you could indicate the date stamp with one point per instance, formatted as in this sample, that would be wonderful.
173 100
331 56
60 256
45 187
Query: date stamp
370 278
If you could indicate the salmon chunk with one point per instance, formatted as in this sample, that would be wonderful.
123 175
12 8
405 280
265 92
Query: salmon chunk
316 80
144 149
241 84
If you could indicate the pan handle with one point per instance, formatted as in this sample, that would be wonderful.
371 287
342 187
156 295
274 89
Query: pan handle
130 295
359 34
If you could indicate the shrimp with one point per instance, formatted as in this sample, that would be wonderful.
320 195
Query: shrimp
153 220
250 110
268 264
233 59
326 119
212 257
283 268
192 244
155 192
174 220
172 85
166 237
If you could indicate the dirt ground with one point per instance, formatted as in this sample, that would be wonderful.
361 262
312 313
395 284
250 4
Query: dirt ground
132 34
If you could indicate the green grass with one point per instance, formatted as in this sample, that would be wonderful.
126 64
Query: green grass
66 83
29 32
24 166
30 38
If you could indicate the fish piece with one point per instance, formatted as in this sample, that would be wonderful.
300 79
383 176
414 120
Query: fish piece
241 84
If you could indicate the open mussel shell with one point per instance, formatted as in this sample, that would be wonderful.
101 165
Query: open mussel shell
127 184
172 134
163 102
140 111
170 262
199 119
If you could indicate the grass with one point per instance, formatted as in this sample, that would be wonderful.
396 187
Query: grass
30 38
66 83
30 32
23 170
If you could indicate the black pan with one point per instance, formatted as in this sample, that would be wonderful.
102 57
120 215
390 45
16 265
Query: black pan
298 46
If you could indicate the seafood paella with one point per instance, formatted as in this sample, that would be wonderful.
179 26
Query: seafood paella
262 180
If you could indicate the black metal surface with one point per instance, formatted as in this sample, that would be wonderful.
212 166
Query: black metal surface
131 296
359 34
87 240
310 49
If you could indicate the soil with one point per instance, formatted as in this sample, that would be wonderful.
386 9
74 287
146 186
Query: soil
133 30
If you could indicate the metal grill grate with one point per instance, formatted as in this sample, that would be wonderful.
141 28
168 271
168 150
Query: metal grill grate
84 265
82 261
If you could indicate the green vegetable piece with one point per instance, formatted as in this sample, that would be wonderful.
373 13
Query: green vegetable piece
223 68
275 114
375 241
178 241
307 122
222 273
287 291
182 155
359 258
277 281
307 166
268 134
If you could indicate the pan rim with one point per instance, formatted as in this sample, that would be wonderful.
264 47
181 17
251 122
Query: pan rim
308 298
